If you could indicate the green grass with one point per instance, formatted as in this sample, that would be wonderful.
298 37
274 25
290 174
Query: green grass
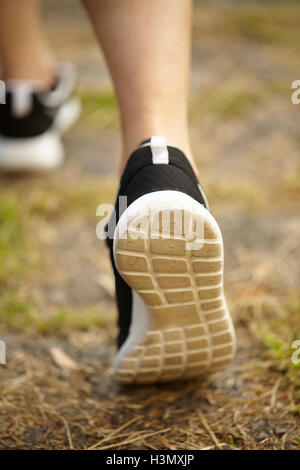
285 191
64 320
19 315
278 88
24 212
232 443
252 196
99 109
224 102
277 331
24 215
15 313
291 184
53 200
281 325
273 321
13 239
236 103
275 24
279 349
59 200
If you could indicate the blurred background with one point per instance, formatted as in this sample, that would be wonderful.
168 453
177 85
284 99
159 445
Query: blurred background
57 313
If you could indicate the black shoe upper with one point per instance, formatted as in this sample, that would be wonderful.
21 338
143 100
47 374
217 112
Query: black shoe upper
140 177
29 112
36 120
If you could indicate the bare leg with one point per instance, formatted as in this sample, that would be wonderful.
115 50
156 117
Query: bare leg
23 51
147 46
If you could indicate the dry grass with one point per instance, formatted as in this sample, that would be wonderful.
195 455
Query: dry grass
42 406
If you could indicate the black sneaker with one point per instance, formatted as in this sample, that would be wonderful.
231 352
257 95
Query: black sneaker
167 254
32 122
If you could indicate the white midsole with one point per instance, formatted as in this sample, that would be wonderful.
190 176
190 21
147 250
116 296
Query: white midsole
67 115
140 324
169 200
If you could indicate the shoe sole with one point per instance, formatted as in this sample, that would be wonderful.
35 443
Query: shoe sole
181 327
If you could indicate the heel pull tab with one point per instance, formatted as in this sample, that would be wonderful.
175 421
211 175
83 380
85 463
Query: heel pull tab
159 149
22 101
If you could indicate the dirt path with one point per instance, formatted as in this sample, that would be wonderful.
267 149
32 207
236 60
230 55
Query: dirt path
56 291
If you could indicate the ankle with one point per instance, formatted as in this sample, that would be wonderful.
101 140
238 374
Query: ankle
41 73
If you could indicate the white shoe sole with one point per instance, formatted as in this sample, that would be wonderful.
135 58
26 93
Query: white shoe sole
44 152
181 326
